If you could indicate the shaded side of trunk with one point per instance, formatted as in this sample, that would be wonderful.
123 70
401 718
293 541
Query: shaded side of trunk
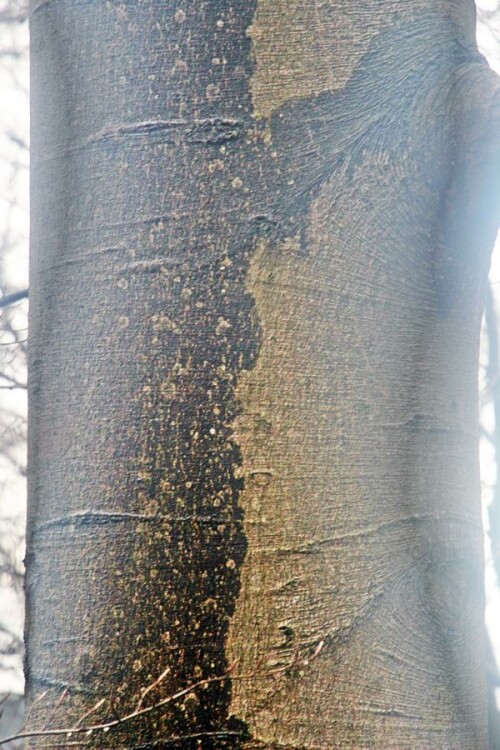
254 314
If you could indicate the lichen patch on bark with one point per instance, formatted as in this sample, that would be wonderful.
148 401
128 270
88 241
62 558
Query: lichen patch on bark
298 45
294 54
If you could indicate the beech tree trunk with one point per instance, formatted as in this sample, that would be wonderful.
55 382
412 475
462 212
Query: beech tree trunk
260 236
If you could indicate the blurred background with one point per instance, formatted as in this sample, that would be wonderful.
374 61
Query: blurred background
14 229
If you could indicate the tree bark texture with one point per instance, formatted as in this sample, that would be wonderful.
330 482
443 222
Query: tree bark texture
260 235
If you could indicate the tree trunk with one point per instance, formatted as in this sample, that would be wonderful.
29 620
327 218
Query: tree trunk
260 236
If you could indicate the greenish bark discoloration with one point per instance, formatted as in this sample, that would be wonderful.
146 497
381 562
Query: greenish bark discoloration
362 586
299 46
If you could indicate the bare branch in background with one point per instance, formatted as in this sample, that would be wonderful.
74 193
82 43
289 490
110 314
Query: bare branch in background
14 12
10 299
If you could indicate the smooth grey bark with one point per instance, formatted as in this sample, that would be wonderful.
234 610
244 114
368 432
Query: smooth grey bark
260 238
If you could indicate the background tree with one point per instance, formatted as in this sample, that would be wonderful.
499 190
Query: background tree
267 413
489 43
490 397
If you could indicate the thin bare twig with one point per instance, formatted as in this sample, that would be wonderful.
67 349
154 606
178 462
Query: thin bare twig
151 687
107 725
